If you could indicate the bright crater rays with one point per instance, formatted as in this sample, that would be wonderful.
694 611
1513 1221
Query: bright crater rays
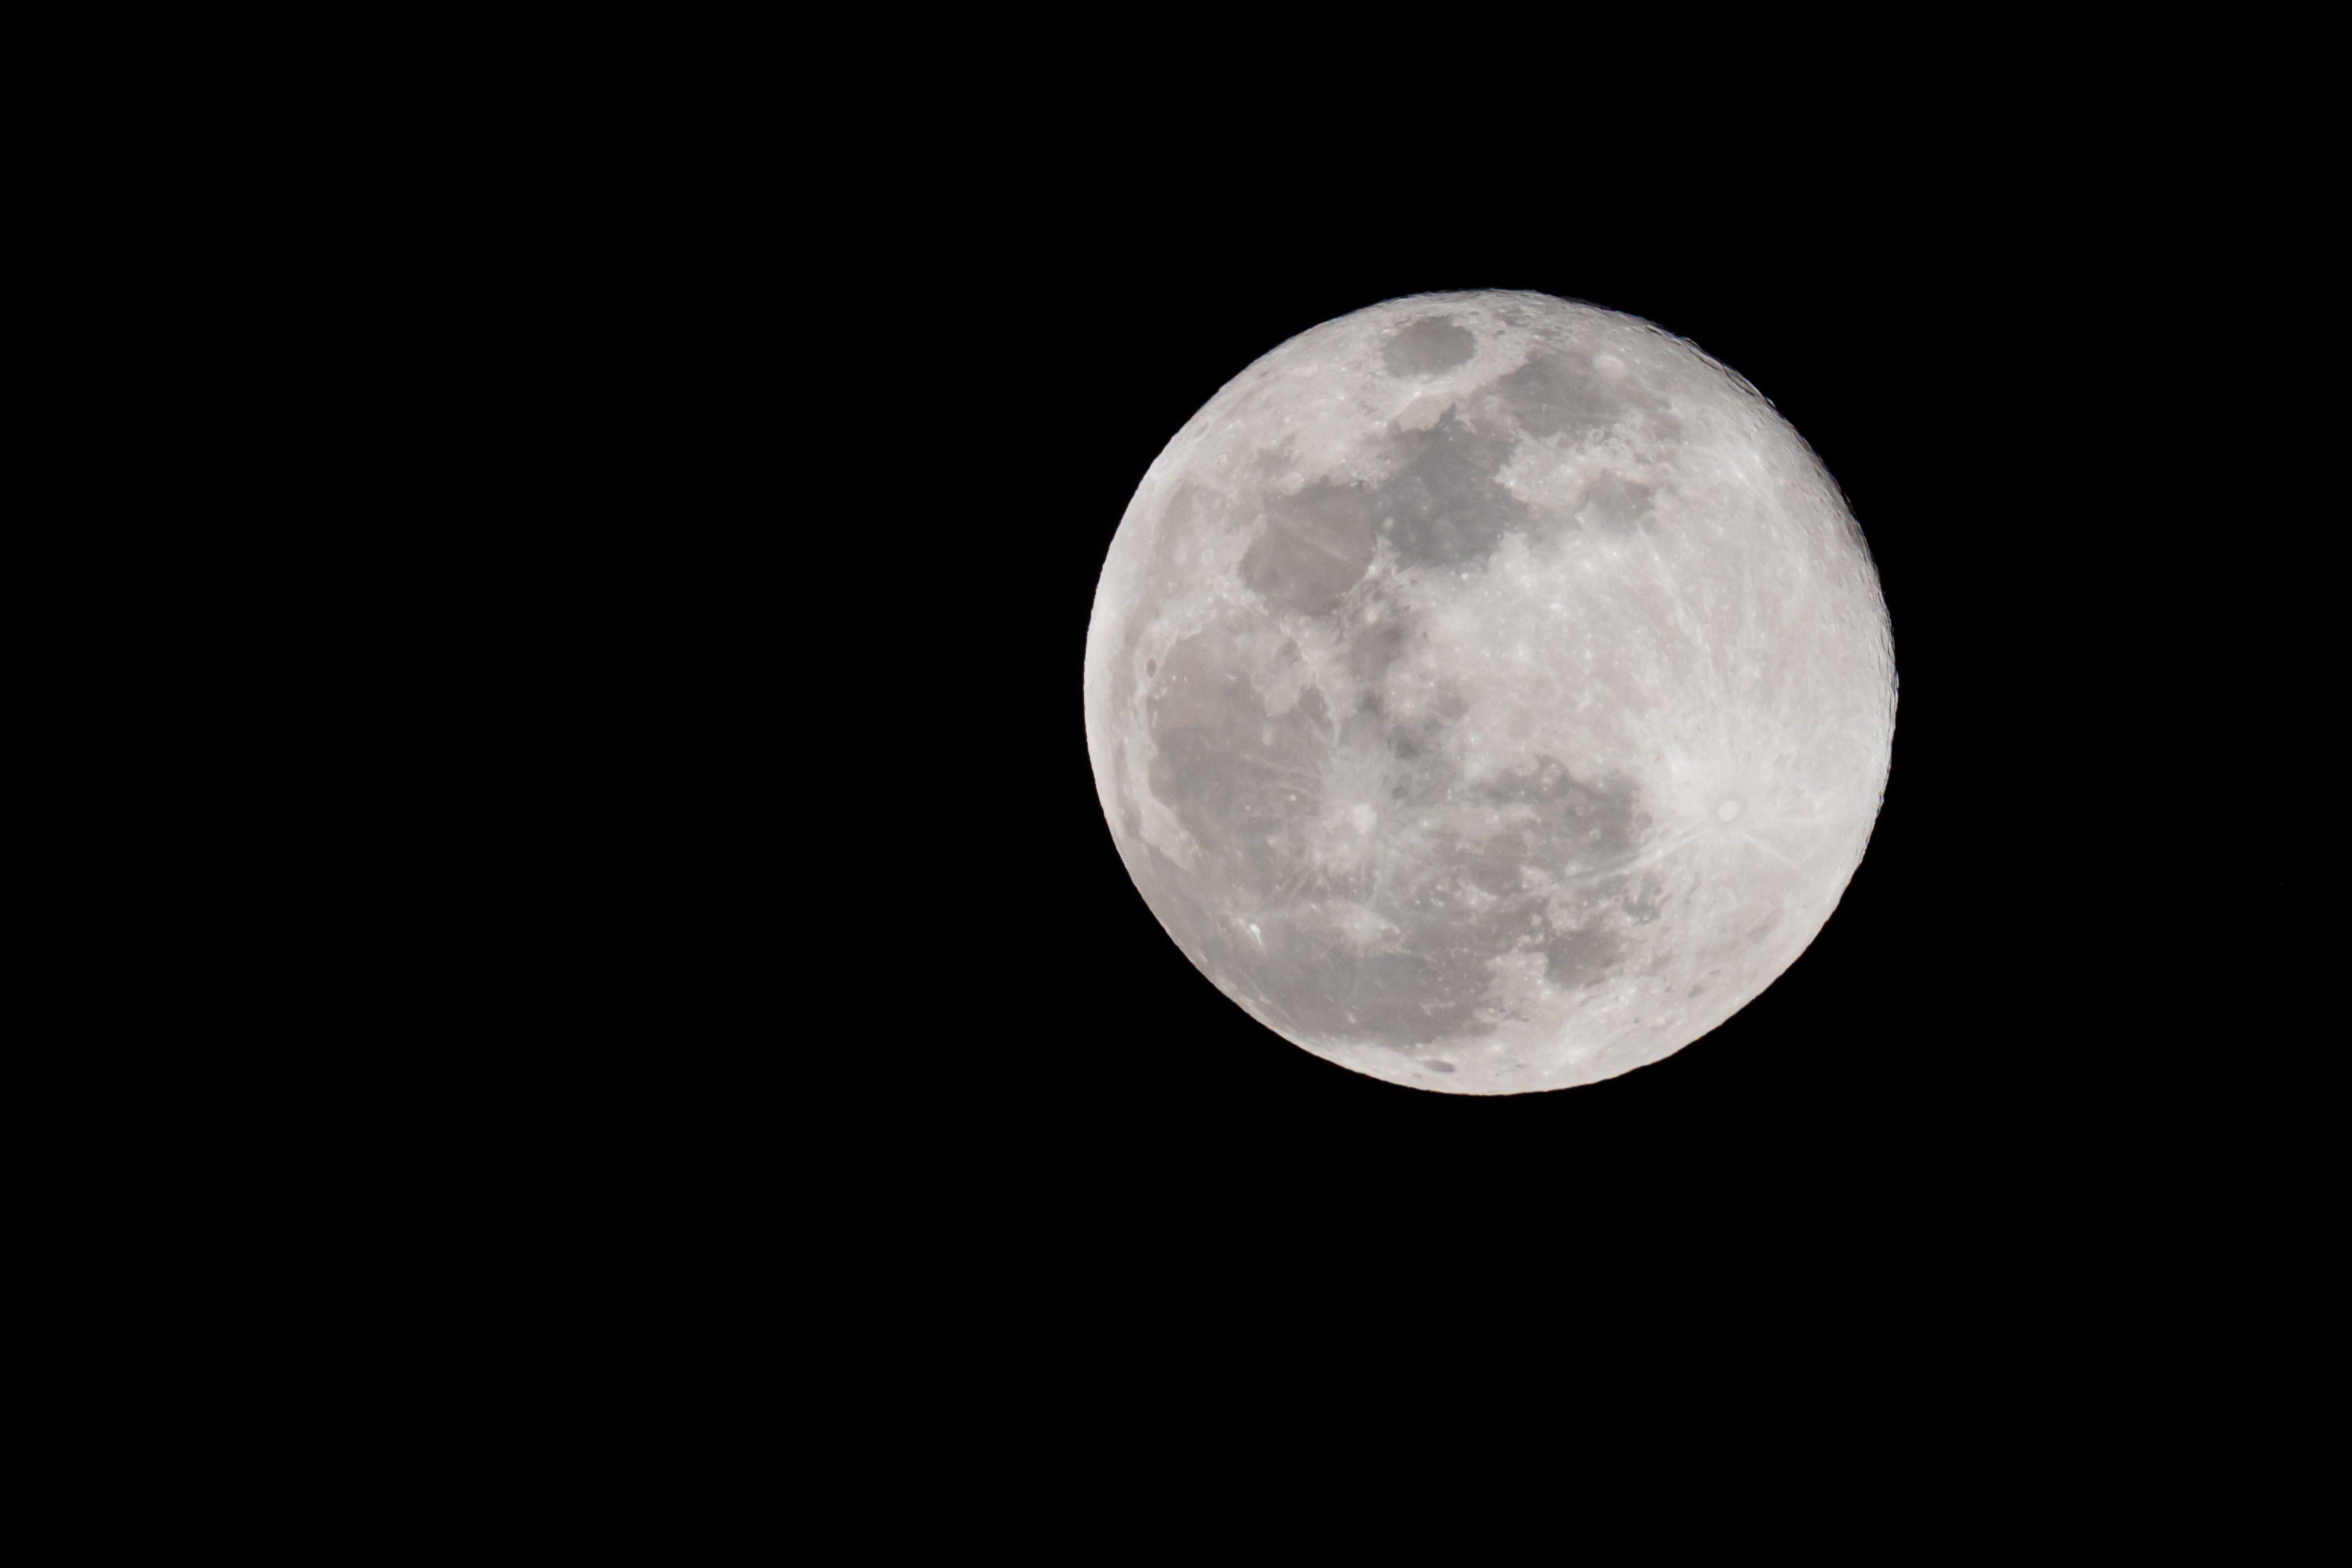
1489 693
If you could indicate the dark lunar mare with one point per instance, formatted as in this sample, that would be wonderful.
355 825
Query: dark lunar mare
1441 503
1317 545
1248 786
1428 346
1444 505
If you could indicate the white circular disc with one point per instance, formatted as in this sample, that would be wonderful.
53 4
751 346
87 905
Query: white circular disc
1489 692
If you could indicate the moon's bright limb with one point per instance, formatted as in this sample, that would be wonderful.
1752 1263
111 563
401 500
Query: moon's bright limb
1488 692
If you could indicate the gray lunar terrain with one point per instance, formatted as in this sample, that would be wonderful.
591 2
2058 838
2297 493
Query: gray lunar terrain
1488 692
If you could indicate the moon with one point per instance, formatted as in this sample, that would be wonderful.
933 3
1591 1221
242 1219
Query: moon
1489 692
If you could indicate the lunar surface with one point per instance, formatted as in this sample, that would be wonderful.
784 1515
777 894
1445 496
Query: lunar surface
1489 693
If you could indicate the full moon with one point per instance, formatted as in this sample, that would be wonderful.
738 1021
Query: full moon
1489 692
